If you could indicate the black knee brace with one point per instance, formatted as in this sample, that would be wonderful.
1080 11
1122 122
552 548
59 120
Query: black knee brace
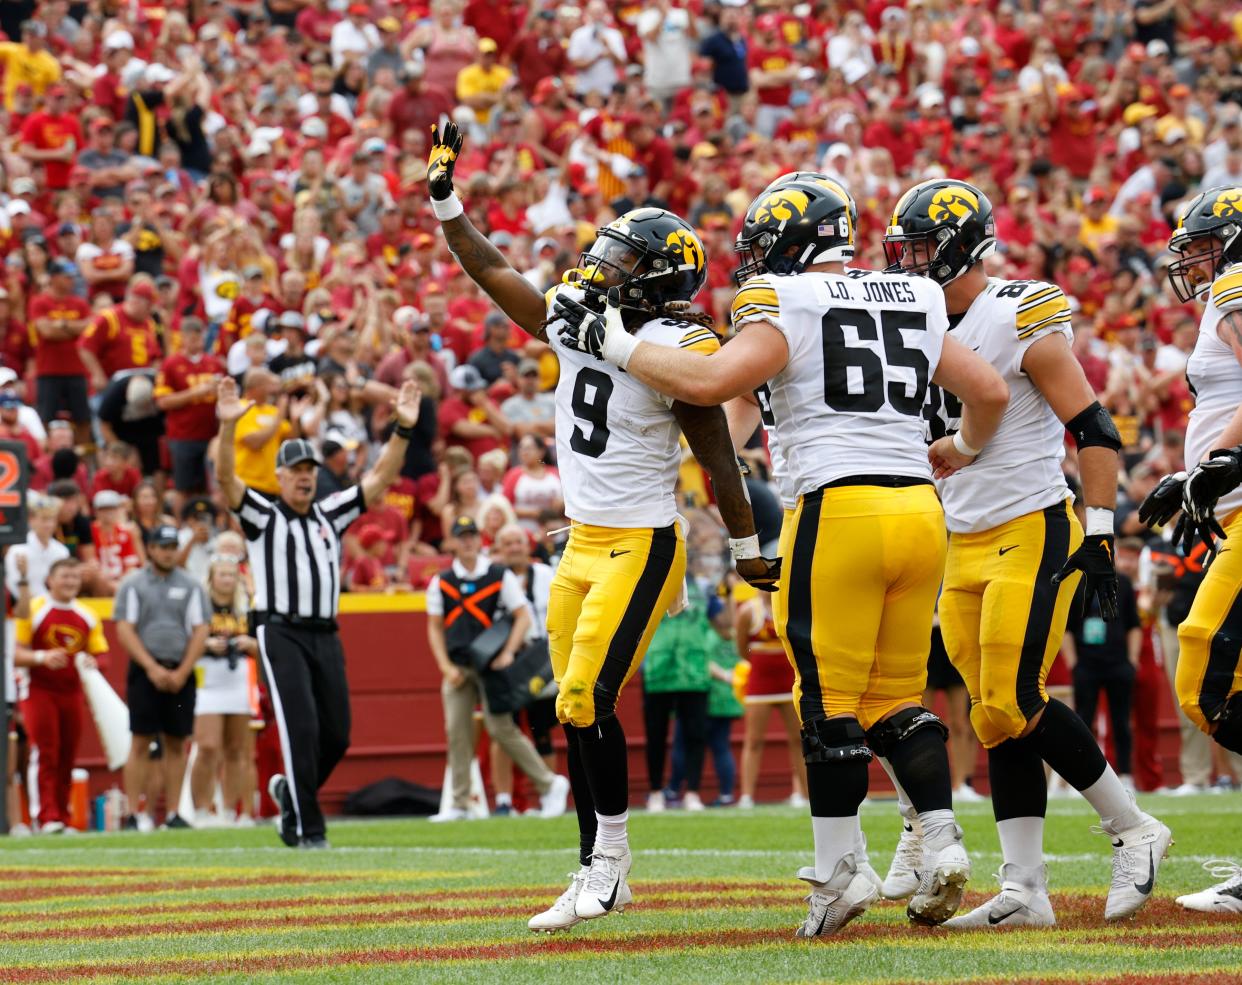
1228 731
884 736
834 740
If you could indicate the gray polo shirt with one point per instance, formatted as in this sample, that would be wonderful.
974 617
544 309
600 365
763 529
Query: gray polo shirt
164 609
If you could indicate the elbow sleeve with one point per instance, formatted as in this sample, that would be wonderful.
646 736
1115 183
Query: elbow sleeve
1094 428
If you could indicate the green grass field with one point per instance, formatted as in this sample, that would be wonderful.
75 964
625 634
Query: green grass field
715 901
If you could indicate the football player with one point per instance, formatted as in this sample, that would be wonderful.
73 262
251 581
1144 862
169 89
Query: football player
1208 242
847 363
1017 551
618 453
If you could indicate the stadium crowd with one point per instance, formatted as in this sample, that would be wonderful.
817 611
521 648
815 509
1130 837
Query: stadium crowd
189 190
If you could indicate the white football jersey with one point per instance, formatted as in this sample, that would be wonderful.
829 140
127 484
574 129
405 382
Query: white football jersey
1215 379
617 442
861 354
780 470
1019 471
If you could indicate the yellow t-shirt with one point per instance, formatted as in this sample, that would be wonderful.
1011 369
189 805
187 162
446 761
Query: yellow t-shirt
475 80
37 69
1090 233
257 469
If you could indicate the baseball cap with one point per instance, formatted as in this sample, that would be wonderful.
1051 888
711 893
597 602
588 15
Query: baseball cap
8 400
252 272
487 44
389 25
62 266
107 499
8 376
165 534
467 377
295 451
200 506
119 39
143 289
374 145
527 366
370 535
291 319
464 525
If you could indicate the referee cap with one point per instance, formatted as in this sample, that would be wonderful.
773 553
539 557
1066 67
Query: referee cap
294 451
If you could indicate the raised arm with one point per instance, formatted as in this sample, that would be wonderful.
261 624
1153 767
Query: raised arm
515 295
385 471
707 431
229 409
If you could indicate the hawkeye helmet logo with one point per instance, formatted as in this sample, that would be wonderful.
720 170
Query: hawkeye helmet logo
1228 204
782 206
685 243
953 203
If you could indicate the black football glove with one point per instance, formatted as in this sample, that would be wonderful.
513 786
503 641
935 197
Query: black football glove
578 327
1094 558
1163 502
1210 480
445 146
762 573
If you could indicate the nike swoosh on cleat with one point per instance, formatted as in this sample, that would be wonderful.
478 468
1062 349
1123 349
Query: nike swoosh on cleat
1145 888
615 553
608 903
822 920
993 919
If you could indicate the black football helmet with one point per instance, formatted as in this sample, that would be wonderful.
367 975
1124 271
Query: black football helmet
953 222
654 257
1213 219
794 223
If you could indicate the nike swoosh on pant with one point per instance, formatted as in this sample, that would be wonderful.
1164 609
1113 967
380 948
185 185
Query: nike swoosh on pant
608 903
1145 887
993 919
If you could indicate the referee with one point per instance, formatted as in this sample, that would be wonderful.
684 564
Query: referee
294 545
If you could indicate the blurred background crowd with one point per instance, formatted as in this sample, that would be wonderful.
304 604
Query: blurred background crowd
189 189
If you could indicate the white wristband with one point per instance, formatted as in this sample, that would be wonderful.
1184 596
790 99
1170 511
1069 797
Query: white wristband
745 549
447 208
40 657
619 346
963 449
1099 520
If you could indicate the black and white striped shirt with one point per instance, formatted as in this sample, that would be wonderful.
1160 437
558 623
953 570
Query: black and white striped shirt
296 558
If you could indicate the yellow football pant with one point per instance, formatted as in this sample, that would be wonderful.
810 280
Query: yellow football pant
780 610
1003 620
609 593
859 580
1209 671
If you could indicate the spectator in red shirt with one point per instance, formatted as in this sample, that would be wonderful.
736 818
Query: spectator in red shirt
253 297
368 574
122 337
53 138
116 473
1071 129
537 53
773 69
417 105
106 261
11 429
118 545
469 418
414 332
16 350
57 319
185 391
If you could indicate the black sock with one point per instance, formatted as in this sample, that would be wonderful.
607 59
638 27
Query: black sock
1019 788
606 766
1067 745
836 789
921 765
584 804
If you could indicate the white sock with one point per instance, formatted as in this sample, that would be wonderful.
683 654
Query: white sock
1113 803
903 800
939 829
503 798
611 831
835 837
860 843
1022 841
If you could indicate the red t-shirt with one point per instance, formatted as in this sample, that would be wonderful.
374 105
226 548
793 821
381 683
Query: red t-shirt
119 342
237 326
57 358
368 573
771 60
455 409
125 485
17 347
196 421
117 553
43 131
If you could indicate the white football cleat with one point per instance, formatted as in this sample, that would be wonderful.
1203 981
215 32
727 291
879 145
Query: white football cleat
560 915
655 802
606 889
1224 897
863 862
1022 902
966 794
744 802
1137 853
692 802
449 814
552 803
837 901
52 828
939 893
797 799
903 874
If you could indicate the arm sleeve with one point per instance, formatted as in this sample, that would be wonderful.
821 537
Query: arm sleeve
254 514
343 508
435 600
96 642
195 610
511 594
23 631
125 609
